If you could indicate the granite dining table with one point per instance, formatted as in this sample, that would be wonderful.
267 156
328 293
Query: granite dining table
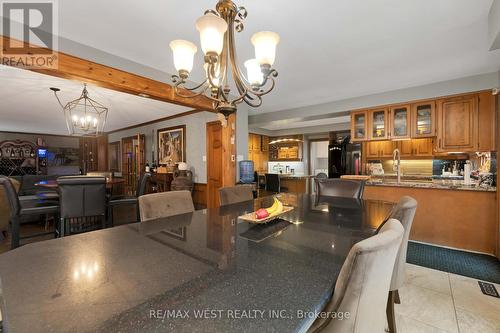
206 271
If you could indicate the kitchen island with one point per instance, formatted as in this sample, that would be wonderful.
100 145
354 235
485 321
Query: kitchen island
295 183
448 214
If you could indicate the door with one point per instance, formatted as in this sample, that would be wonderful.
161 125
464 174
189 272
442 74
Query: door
387 148
214 163
423 119
458 123
377 123
400 122
372 150
423 147
359 125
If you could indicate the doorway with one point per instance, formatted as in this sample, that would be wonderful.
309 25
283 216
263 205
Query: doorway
133 161
214 163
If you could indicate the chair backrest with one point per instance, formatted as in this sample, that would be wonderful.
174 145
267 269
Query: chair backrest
82 196
321 175
335 187
404 211
164 204
141 184
273 183
363 283
9 201
235 194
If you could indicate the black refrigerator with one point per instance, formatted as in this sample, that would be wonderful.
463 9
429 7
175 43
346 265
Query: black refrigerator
344 158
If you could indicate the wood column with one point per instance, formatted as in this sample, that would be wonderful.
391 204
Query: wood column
229 152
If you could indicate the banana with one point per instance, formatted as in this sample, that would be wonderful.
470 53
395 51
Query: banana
276 208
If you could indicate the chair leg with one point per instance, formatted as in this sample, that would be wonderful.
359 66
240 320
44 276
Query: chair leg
61 227
396 297
15 232
391 319
138 212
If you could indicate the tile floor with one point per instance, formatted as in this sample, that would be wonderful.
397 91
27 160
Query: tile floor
438 302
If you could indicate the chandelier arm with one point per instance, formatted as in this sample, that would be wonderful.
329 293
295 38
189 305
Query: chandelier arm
179 84
179 81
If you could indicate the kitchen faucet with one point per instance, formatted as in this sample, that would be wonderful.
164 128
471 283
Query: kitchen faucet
396 154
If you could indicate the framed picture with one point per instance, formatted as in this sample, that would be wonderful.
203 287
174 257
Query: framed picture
172 145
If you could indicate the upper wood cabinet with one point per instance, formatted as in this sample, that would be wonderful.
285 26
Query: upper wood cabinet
457 118
486 138
378 121
359 126
423 119
400 122
416 147
265 143
379 149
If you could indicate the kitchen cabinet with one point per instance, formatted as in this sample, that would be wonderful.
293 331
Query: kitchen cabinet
379 149
423 119
487 138
457 119
416 148
359 126
264 143
286 148
378 124
400 122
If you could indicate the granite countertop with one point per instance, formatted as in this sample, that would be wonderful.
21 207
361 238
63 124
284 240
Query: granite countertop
152 276
434 184
295 176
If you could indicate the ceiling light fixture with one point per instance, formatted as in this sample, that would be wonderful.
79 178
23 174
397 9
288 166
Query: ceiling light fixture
84 116
216 30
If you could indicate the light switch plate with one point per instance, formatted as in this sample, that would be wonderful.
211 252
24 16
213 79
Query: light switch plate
204 158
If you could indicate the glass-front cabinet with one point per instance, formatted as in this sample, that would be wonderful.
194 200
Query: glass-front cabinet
400 123
359 125
378 124
424 119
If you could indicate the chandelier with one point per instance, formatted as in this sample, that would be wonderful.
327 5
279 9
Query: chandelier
84 116
216 30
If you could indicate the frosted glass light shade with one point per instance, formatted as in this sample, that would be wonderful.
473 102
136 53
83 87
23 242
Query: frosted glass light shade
265 43
212 29
184 52
254 73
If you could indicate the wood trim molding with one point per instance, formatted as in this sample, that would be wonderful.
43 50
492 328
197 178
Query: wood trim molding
40 134
74 68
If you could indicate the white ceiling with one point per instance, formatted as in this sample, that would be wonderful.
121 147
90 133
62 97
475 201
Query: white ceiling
329 50
27 104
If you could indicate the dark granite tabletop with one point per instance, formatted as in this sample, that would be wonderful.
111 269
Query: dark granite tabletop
189 273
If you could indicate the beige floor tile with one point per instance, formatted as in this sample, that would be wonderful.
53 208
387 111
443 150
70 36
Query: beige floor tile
407 325
468 296
470 322
427 306
428 278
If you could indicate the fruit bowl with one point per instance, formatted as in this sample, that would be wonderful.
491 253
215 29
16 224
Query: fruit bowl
265 215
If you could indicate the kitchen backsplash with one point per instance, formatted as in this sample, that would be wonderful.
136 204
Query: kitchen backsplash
410 167
275 167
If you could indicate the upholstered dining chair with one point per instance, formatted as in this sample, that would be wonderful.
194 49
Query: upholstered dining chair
404 211
5 207
334 187
119 200
18 209
83 203
165 204
362 285
235 194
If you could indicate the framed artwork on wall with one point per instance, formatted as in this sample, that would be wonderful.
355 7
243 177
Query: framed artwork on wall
171 145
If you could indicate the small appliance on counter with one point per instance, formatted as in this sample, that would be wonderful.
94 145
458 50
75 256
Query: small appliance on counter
344 158
42 158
